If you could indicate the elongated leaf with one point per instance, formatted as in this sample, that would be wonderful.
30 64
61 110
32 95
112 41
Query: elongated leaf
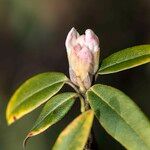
125 59
54 110
75 135
33 93
120 117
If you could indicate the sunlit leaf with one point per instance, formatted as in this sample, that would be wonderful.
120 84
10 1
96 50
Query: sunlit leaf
75 135
54 110
125 59
120 117
33 93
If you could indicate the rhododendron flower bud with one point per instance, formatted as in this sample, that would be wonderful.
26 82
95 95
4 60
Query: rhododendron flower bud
83 56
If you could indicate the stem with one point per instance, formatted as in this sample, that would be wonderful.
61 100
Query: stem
84 107
73 86
90 138
88 145
84 102
89 142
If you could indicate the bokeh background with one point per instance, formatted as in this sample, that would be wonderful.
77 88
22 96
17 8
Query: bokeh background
32 36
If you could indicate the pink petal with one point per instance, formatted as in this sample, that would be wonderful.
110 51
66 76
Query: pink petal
92 41
71 39
81 40
85 55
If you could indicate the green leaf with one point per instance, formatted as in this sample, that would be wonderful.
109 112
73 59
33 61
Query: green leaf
120 117
54 110
33 93
125 59
75 135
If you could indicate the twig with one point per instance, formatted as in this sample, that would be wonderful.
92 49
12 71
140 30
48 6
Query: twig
84 107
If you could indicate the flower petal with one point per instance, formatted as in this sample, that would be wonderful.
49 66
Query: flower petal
92 41
71 39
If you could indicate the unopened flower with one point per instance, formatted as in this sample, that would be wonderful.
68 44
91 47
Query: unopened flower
83 56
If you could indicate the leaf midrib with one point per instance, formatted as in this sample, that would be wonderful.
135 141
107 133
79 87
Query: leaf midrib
123 61
71 97
41 89
121 117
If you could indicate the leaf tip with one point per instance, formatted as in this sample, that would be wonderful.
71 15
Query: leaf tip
26 140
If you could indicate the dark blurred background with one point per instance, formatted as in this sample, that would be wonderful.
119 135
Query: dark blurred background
32 36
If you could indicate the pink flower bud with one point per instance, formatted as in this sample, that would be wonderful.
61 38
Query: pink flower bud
83 55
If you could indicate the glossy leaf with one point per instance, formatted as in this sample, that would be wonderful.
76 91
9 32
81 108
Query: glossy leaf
125 59
33 93
75 135
120 117
54 110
